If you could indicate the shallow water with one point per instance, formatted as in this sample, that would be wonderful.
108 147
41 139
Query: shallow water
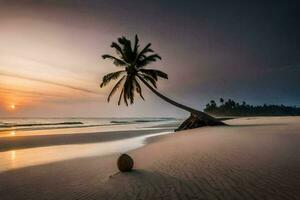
32 142
14 159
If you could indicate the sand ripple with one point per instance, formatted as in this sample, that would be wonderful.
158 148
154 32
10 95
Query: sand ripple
233 163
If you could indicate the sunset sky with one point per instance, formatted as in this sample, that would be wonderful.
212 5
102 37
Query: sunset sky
51 66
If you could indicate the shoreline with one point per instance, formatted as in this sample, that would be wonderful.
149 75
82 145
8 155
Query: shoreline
33 141
23 151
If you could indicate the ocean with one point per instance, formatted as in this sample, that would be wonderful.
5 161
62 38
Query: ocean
8 124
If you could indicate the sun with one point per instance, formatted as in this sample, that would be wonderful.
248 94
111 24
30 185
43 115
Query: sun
12 106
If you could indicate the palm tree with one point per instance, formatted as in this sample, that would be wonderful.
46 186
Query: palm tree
221 100
133 61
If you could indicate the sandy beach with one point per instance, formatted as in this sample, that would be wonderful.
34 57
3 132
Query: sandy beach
254 158
149 100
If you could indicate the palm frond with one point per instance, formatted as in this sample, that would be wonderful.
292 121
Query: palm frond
111 76
146 60
118 49
120 97
126 49
148 79
154 73
136 45
125 97
145 50
116 61
138 88
129 89
126 88
115 88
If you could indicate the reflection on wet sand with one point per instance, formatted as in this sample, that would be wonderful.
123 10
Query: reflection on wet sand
13 159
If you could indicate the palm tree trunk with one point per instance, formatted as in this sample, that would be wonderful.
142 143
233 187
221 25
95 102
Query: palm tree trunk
196 115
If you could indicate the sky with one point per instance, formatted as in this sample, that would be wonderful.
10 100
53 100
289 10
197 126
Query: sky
51 65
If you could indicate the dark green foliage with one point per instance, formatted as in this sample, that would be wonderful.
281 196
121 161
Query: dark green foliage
134 61
232 108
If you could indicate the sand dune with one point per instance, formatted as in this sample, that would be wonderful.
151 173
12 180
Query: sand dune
246 161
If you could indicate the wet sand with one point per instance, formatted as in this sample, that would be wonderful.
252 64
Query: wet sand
24 142
255 158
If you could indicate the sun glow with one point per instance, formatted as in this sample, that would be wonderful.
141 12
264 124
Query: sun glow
12 106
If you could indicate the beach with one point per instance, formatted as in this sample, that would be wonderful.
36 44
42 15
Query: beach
253 158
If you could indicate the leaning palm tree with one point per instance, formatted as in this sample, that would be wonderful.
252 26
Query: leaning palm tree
133 61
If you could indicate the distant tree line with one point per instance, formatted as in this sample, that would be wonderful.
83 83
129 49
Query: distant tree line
232 108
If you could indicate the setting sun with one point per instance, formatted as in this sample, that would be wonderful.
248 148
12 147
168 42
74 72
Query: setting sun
12 106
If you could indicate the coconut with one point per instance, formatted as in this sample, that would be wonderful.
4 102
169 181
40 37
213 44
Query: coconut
125 163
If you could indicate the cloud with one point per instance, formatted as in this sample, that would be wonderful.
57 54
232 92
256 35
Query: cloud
28 93
49 82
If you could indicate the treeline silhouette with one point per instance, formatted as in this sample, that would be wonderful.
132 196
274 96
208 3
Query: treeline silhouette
232 108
